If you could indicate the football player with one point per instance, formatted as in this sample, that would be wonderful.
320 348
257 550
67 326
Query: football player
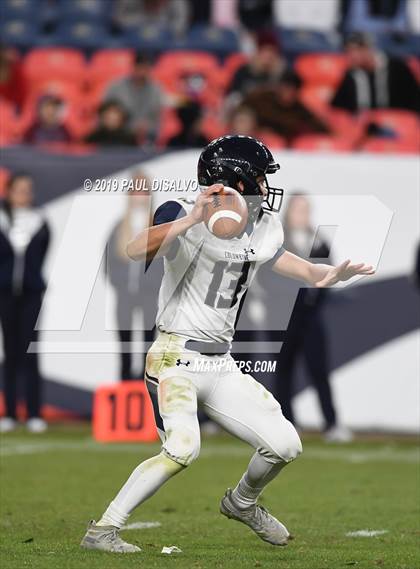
204 281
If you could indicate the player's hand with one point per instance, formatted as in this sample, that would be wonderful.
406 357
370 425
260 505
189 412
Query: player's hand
344 272
204 198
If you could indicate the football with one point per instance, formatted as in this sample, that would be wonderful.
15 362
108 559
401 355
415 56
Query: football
226 215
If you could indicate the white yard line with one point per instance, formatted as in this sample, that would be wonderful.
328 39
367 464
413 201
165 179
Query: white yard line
384 453
16 447
142 525
366 533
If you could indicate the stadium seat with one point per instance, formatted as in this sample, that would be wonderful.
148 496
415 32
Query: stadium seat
317 97
399 45
404 124
147 38
387 145
296 42
108 65
322 143
341 123
61 64
4 177
85 10
18 9
321 68
83 34
190 60
179 62
9 126
218 41
19 33
173 68
344 125
63 89
6 139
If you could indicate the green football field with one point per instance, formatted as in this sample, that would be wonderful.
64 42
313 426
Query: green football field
52 484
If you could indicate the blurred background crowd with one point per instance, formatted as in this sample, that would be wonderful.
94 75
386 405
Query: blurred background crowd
326 74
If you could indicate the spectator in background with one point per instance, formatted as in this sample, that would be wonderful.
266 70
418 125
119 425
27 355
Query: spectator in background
190 117
374 80
266 67
279 109
377 16
221 14
12 81
243 121
141 97
306 332
171 14
112 129
24 239
319 16
135 290
255 14
48 126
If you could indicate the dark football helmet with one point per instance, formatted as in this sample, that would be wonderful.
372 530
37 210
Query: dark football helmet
236 158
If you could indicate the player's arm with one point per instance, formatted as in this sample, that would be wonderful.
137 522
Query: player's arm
155 241
318 275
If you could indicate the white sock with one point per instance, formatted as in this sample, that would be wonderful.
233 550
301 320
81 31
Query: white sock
113 517
144 481
259 473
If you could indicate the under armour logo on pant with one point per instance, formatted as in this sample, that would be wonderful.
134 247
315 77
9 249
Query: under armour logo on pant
180 362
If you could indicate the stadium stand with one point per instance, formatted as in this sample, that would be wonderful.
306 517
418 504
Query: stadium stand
76 49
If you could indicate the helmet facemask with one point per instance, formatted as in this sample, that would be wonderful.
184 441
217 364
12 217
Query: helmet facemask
273 198
255 198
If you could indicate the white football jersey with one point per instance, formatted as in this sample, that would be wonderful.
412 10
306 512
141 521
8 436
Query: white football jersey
205 277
